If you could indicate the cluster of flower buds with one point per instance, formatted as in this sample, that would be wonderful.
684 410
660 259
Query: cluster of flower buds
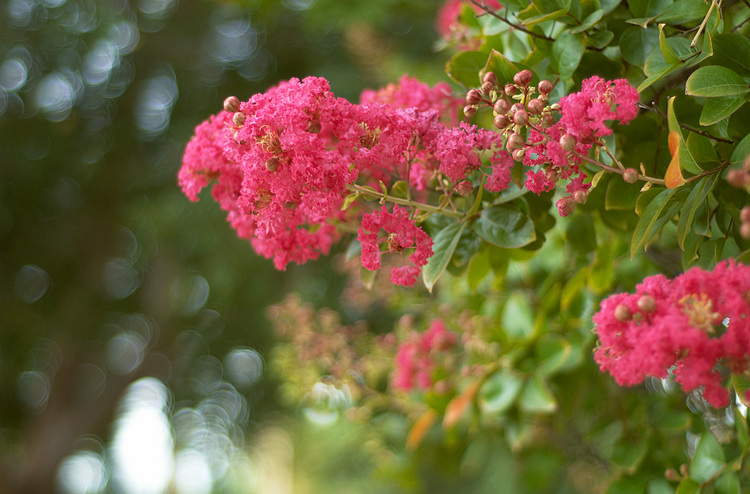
740 177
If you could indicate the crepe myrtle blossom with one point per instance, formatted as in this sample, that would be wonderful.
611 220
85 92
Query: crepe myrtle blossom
696 324
419 357
449 24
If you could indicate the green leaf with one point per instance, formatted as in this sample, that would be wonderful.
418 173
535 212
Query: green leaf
637 43
567 51
670 56
348 200
702 150
654 217
399 189
728 483
479 268
464 67
708 459
511 192
648 8
517 318
733 52
741 151
715 80
696 198
630 456
503 68
506 226
688 486
717 109
552 352
367 277
621 195
443 246
599 39
657 67
589 21
687 162
580 234
741 386
683 11
536 397
499 392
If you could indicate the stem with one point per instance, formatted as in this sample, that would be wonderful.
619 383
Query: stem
686 127
707 172
404 202
644 178
505 20
703 24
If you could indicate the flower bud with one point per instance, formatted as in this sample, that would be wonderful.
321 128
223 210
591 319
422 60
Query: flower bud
746 163
671 475
622 313
232 104
523 78
535 106
552 173
464 188
580 196
630 175
510 89
745 214
487 87
490 77
555 106
745 230
545 87
548 119
518 154
566 206
521 117
272 164
473 97
567 142
646 303
501 106
737 177
470 111
515 141
238 119
517 107
502 121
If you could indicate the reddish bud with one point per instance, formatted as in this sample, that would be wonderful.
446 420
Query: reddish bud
523 78
490 77
232 104
622 313
515 141
470 111
580 196
464 188
566 206
745 214
746 163
630 175
567 142
272 164
552 173
548 119
646 303
501 106
545 87
671 475
535 106
487 87
517 107
518 154
737 177
745 230
510 89
521 117
473 97
502 121
238 119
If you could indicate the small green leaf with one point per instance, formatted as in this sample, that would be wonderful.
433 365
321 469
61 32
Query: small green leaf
517 318
599 39
589 21
715 80
637 43
687 162
741 151
733 52
479 268
621 195
399 189
630 456
728 483
443 246
683 11
741 386
499 392
503 68
567 51
670 56
536 397
648 8
654 217
348 200
708 459
703 151
552 352
696 198
688 486
464 67
506 226
717 109
367 277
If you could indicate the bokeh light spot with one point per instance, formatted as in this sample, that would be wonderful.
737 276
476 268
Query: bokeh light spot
83 472
31 283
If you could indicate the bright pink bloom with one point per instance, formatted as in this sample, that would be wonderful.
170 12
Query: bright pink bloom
402 234
696 322
448 23
411 93
418 358
459 149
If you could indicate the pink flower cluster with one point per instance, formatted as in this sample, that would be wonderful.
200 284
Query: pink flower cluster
284 161
449 25
693 324
419 357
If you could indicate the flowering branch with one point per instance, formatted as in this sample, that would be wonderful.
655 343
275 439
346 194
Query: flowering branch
366 191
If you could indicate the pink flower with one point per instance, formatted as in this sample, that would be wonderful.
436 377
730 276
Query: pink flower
458 149
448 23
402 234
418 358
694 322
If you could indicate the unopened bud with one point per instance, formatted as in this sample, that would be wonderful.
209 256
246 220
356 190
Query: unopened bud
501 106
566 206
502 121
555 106
737 177
545 87
521 117
552 173
470 111
238 119
745 230
567 142
487 87
745 214
464 188
473 97
684 470
515 141
746 163
548 119
671 475
622 313
630 175
232 104
646 303
518 154
490 77
523 78
535 106
510 89
272 164
580 196
517 107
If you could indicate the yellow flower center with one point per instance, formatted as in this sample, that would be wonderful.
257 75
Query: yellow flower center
699 309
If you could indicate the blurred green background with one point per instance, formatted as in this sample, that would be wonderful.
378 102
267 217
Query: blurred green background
132 327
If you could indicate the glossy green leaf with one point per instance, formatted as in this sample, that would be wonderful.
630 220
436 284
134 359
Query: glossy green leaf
567 51
696 198
464 67
503 68
741 386
506 226
687 162
702 150
708 459
536 396
499 392
732 51
444 244
648 8
741 151
683 11
715 80
688 486
717 109
669 54
598 39
637 43
589 21
654 217
656 67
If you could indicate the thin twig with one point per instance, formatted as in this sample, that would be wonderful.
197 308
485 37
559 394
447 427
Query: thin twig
703 24
686 127
505 20
404 202
740 24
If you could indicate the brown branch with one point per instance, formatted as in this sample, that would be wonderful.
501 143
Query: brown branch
494 14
